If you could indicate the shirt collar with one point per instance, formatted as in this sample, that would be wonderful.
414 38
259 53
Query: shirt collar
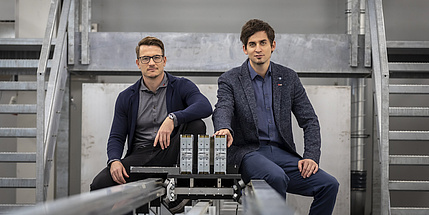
253 73
163 83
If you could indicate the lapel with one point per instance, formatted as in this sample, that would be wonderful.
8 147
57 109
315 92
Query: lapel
134 103
246 84
278 81
169 93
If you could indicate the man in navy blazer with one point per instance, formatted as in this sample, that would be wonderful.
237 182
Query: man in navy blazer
149 116
254 107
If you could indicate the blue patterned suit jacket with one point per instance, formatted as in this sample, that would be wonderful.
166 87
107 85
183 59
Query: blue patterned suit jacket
236 106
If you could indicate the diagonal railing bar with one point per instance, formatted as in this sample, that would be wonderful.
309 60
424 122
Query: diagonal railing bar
41 72
55 93
381 84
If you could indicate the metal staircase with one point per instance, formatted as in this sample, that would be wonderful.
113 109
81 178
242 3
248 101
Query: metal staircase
395 65
19 57
32 58
410 69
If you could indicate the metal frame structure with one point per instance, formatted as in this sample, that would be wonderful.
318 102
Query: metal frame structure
259 198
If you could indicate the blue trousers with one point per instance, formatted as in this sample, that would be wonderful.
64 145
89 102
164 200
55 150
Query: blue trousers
279 169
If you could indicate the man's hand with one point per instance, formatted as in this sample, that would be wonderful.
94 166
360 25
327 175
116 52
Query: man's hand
164 132
117 170
307 167
226 132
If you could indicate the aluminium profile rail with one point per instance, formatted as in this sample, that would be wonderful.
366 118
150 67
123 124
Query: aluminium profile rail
112 200
260 198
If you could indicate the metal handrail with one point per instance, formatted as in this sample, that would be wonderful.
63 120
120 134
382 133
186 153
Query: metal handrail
41 71
381 85
55 93
119 199
49 104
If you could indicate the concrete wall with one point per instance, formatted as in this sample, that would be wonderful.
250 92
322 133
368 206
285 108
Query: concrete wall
31 18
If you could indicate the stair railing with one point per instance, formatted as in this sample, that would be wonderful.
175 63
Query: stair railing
380 75
49 105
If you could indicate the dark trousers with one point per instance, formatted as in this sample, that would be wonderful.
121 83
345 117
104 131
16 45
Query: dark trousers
151 156
279 169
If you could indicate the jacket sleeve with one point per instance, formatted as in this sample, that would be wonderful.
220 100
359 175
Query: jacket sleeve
224 108
307 120
119 130
197 106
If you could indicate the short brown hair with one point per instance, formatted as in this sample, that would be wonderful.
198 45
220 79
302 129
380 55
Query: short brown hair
149 41
255 25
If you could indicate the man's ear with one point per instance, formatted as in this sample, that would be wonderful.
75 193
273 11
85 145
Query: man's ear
244 49
273 46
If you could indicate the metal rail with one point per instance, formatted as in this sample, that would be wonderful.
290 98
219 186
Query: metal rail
113 200
380 76
55 94
49 103
260 198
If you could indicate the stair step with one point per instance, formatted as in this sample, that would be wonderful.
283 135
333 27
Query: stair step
8 208
18 85
407 44
409 67
17 182
409 159
409 111
20 64
409 210
19 108
18 157
409 135
18 132
409 185
408 89
20 42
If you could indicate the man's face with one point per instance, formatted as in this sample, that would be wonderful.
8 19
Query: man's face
151 69
259 48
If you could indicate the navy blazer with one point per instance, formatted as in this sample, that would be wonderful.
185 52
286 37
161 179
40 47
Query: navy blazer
236 110
184 99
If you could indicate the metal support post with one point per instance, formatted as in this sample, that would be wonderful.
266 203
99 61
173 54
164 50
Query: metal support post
86 28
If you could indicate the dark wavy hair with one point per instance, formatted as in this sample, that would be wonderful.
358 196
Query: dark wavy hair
255 25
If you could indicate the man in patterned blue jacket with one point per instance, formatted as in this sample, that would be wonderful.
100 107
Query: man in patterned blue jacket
150 116
254 107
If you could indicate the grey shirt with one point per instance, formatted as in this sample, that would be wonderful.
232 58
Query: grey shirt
151 114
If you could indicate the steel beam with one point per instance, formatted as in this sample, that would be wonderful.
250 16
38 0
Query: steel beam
215 53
